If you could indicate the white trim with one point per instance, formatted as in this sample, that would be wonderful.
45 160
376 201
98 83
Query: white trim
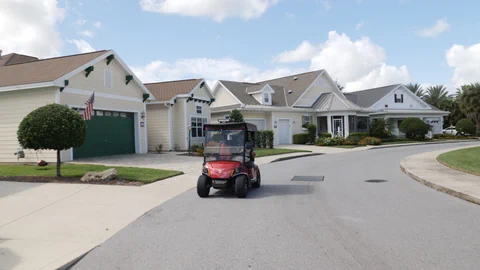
378 101
136 124
26 86
290 127
57 96
170 127
311 85
235 97
145 128
231 104
102 108
101 94
185 112
158 102
205 85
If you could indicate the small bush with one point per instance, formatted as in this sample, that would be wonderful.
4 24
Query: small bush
357 136
371 141
301 138
444 136
263 140
236 116
268 137
330 141
194 148
200 150
465 127
324 135
414 128
312 133
159 148
258 139
379 129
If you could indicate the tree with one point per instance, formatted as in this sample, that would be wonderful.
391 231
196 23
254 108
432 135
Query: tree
417 89
466 127
52 127
469 102
236 116
414 128
456 113
436 96
379 129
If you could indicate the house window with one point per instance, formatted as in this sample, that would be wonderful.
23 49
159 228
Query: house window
306 120
398 98
197 126
266 98
108 78
199 109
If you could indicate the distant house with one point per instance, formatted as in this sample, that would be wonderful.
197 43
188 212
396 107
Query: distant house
176 117
118 124
395 103
286 105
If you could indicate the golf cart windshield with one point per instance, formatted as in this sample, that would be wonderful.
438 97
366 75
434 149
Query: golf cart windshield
224 144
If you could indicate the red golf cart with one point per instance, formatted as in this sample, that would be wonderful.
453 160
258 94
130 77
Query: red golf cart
229 159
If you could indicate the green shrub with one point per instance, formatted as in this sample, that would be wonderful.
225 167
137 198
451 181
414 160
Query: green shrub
414 128
324 135
379 129
478 132
236 116
371 141
330 141
312 133
258 139
466 127
357 136
444 136
301 138
268 135
263 140
53 127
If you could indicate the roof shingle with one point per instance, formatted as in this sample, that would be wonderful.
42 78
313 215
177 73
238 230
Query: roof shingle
368 97
165 91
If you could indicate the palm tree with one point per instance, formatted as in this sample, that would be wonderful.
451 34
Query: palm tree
416 89
469 101
436 96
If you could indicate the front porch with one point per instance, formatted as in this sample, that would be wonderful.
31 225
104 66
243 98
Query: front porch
342 125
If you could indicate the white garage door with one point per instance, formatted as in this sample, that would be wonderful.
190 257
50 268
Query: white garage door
260 123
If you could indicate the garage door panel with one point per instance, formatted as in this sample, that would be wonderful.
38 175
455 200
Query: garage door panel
108 135
260 123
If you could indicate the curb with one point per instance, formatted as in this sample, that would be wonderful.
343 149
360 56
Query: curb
443 189
295 157
416 144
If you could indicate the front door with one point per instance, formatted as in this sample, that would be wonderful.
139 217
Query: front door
338 127
284 131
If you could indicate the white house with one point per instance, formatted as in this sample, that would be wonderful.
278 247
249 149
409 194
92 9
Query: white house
119 123
285 105
395 103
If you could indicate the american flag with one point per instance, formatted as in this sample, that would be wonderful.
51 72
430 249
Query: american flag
87 114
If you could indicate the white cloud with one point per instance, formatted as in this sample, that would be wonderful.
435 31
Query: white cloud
359 25
82 45
439 27
81 22
304 52
289 15
355 64
210 69
87 33
466 64
216 9
30 27
97 25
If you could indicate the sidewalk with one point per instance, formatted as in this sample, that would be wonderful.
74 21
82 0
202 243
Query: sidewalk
427 170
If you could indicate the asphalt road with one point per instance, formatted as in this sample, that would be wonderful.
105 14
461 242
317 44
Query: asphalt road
343 222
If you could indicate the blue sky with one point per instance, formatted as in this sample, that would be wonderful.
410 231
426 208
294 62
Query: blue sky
361 43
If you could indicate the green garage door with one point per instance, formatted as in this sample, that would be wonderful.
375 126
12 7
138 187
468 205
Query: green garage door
108 133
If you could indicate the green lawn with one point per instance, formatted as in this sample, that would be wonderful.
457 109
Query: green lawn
262 152
78 170
467 160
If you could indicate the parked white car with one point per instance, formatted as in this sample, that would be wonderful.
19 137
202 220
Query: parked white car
450 131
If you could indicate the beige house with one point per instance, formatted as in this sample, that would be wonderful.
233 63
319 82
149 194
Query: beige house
119 123
176 118
286 105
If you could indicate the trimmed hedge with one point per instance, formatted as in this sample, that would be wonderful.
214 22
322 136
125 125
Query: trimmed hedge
414 128
466 127
371 141
312 133
357 136
301 138
268 137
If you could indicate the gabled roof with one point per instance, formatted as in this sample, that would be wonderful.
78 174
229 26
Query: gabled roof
368 97
44 70
15 58
332 102
165 91
287 89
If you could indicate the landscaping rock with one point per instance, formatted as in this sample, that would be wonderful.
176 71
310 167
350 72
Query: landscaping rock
107 175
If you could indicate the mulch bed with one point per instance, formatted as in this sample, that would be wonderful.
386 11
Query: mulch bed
67 180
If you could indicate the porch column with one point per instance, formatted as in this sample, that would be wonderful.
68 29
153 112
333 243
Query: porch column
346 125
329 124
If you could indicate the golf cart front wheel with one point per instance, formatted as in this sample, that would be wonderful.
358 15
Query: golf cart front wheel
241 186
258 181
203 186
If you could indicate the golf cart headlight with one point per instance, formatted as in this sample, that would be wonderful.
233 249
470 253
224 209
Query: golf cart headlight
205 170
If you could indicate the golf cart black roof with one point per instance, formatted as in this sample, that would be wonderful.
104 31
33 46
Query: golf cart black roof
246 126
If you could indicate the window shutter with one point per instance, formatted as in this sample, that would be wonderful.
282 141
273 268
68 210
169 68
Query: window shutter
401 98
